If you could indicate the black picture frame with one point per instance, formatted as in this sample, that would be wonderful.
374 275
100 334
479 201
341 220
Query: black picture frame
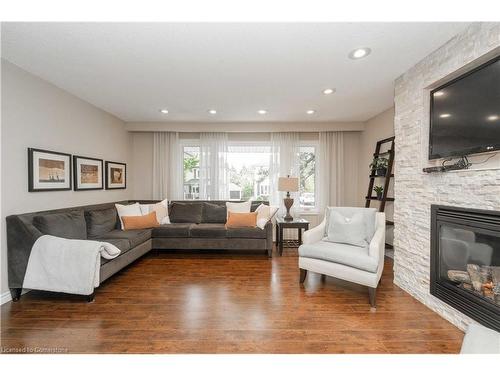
76 184
108 185
32 188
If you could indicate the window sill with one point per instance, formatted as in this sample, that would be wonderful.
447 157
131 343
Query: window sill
309 213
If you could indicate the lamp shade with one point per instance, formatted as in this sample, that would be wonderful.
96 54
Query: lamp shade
288 184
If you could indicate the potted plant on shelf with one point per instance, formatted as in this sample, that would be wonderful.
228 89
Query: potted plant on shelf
379 190
379 166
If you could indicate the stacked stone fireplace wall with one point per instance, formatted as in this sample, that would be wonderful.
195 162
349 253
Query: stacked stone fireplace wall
414 190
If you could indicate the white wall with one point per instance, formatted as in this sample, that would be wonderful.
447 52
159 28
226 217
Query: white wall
142 159
416 190
37 114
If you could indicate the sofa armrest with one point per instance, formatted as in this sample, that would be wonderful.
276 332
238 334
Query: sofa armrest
315 234
377 244
20 240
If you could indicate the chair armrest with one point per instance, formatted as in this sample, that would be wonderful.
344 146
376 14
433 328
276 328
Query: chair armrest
377 244
315 234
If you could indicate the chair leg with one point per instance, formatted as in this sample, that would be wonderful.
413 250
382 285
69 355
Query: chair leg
91 297
303 274
371 293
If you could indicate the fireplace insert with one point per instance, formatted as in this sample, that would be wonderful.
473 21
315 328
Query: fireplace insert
465 261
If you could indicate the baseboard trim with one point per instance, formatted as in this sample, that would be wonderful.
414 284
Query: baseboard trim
7 297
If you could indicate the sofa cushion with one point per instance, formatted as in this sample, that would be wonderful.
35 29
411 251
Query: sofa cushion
186 212
214 213
352 256
207 230
69 224
178 230
251 233
100 222
134 237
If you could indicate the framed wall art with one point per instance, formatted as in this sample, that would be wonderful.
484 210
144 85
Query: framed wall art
116 175
48 170
87 173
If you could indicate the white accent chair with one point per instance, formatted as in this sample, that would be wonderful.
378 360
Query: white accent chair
351 263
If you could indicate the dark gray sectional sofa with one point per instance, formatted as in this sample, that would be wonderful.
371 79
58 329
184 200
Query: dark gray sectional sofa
200 225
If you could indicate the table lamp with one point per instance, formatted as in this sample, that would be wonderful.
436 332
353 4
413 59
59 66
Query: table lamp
288 184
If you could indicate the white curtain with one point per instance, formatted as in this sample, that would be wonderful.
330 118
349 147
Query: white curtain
284 161
167 166
213 166
330 164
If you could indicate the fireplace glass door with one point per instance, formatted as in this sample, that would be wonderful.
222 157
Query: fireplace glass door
470 260
465 261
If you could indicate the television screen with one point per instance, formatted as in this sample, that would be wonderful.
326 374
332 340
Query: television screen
465 113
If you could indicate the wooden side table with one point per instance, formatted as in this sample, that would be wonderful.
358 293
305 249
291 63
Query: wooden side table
281 224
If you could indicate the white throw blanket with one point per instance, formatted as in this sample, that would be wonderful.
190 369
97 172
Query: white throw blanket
69 266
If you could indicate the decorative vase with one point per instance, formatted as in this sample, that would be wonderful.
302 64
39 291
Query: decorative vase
379 196
380 171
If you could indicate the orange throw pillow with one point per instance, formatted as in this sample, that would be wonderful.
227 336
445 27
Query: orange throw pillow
241 220
140 222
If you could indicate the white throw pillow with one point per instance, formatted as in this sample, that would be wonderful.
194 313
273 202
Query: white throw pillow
160 208
264 214
347 230
145 208
128 210
243 207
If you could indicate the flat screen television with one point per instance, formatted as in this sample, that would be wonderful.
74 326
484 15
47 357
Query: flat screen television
465 113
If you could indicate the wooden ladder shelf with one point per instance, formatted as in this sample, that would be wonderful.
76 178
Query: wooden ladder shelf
387 178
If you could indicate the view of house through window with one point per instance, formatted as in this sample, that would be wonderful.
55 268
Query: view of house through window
307 156
191 163
248 173
248 168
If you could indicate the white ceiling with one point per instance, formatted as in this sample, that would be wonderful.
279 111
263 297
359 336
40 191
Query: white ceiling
133 69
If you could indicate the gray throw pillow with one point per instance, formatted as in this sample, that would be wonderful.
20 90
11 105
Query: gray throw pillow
347 230
214 213
100 222
186 212
65 224
368 213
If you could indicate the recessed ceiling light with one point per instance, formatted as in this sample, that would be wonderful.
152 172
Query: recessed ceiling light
261 111
438 93
359 53
212 111
310 112
492 118
164 111
328 91
445 115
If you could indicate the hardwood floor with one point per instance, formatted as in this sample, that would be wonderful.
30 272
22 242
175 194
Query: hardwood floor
219 303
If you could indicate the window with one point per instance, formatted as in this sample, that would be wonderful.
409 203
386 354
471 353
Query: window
191 164
248 167
307 187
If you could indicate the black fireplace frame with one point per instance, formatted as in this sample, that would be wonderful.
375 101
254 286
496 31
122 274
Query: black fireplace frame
484 312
